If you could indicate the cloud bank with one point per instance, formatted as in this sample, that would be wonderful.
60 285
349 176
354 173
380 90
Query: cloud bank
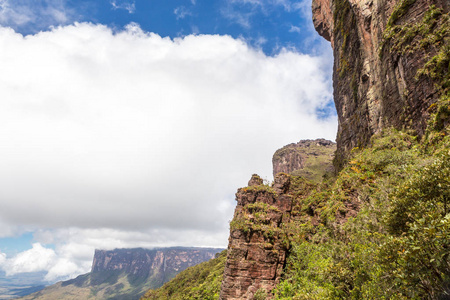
129 139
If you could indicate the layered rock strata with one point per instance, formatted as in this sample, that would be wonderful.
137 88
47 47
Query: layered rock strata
144 262
256 252
308 158
126 273
383 63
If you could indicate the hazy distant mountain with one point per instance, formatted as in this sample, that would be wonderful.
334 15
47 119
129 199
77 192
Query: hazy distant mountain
126 273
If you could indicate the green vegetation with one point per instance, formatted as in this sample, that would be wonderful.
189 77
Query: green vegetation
431 33
256 217
260 295
200 282
100 285
259 188
316 159
400 9
379 230
343 18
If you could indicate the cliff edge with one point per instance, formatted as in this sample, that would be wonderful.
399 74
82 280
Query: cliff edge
388 58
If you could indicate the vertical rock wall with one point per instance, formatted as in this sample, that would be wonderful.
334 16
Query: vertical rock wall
375 79
311 159
256 253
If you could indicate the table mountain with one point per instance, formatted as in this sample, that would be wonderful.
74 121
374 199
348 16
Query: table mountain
126 273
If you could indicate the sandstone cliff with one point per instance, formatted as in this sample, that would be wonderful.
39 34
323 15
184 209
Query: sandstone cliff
145 262
308 158
256 253
126 273
391 69
388 56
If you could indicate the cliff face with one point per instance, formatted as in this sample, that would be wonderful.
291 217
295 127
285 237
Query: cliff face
256 253
384 63
391 63
126 273
308 158
258 246
143 262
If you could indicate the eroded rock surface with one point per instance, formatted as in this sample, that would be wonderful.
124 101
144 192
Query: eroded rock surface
256 253
378 57
308 158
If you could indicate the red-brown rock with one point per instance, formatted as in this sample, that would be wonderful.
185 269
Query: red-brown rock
375 87
256 254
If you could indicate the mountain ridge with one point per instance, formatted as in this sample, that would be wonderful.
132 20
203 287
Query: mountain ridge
127 273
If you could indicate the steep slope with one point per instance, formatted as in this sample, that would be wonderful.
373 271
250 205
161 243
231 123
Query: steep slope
126 273
370 232
388 58
311 159
256 252
379 230
201 282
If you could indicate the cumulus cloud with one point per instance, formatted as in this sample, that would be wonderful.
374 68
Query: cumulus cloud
74 248
59 265
36 259
130 139
34 16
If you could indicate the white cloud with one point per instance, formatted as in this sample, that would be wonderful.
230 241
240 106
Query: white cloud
74 248
2 258
36 259
182 12
288 5
60 265
241 18
131 139
295 29
129 6
35 16
242 11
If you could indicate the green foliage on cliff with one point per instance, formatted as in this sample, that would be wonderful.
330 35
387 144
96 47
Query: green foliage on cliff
379 230
431 33
200 282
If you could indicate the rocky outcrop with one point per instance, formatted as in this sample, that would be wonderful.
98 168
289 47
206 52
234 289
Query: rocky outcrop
391 63
308 158
256 252
384 72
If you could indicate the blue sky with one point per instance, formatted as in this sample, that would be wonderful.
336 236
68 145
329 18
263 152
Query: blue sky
266 24
132 123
